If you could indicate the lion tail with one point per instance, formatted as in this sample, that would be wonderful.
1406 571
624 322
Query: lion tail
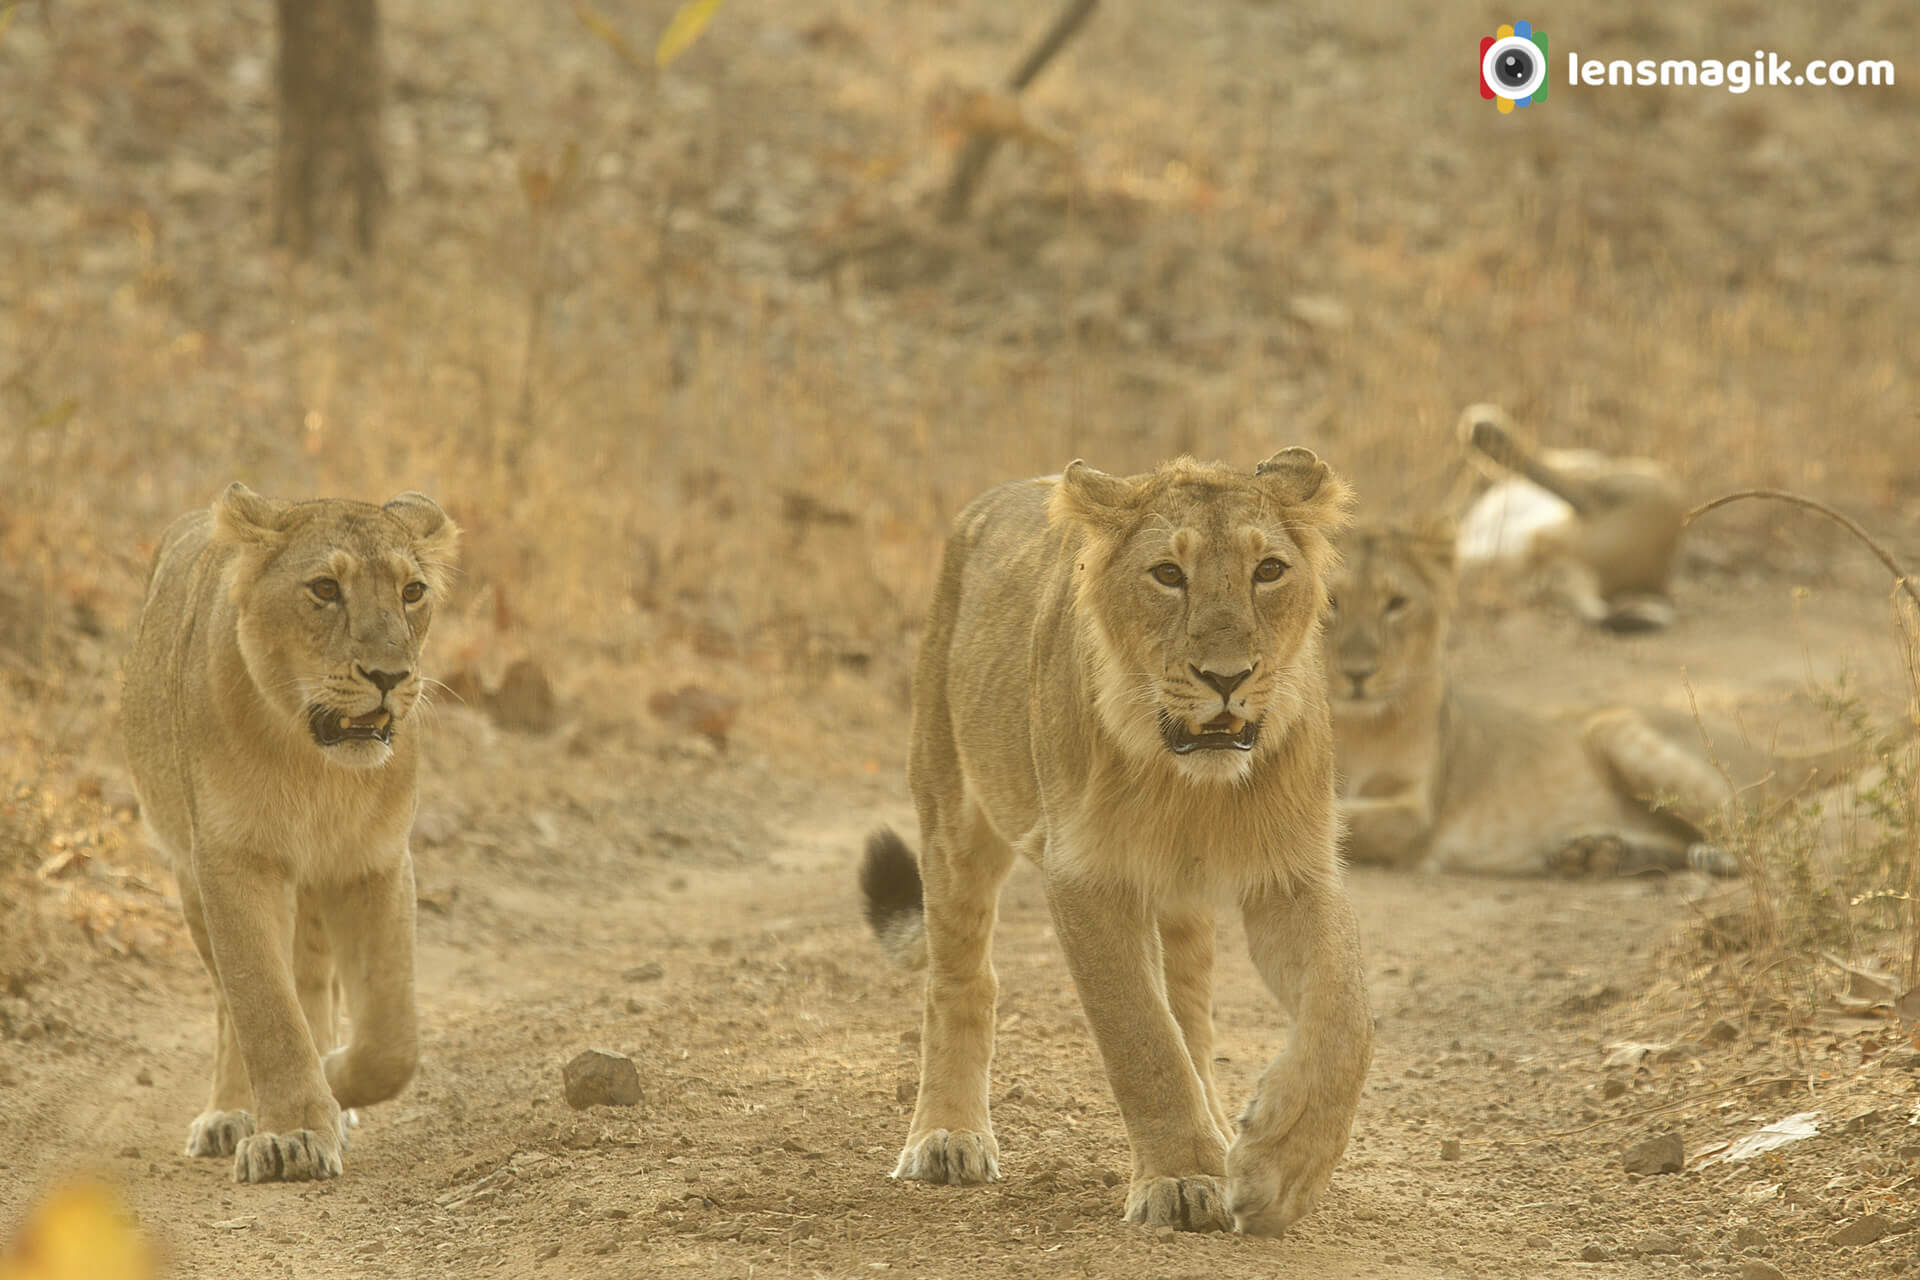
890 883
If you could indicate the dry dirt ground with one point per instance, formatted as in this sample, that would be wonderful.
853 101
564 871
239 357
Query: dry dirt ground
697 911
704 409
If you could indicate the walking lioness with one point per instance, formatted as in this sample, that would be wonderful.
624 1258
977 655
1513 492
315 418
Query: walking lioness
266 713
1120 679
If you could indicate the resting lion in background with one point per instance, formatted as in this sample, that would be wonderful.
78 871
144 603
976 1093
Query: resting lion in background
1438 777
266 711
1604 530
1121 680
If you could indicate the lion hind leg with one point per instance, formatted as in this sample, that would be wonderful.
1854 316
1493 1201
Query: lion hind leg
1613 851
314 980
1658 772
951 1137
227 1119
1186 945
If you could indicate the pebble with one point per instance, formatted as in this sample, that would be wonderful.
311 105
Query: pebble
1723 1032
1662 1154
1656 1242
1538 1241
1755 1269
651 971
143 1076
1613 1088
1596 1253
600 1077
1748 1236
1861 1231
1450 1148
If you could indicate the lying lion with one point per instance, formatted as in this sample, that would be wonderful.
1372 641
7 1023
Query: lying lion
266 713
1438 777
1604 530
1120 680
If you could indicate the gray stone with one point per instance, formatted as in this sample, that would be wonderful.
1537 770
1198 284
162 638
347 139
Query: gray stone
1656 1242
1662 1154
600 1077
1862 1231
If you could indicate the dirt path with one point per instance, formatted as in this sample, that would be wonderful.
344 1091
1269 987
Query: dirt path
721 948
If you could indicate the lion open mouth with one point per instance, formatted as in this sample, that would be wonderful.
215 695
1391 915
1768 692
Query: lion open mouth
1222 733
331 728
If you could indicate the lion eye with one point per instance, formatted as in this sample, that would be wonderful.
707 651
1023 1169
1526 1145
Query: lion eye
1269 570
1168 574
324 589
1396 604
413 592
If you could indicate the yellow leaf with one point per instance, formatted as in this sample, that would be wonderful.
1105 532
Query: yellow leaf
79 1232
605 30
688 22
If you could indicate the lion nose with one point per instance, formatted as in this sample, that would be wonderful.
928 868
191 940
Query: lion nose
1224 685
384 681
1357 676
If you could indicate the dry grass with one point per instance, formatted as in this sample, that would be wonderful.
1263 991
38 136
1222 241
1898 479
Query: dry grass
705 408
1827 913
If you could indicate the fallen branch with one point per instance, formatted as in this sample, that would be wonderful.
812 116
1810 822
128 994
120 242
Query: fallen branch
980 147
1901 577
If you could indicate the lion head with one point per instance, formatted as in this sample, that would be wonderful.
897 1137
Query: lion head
1202 590
1392 596
332 600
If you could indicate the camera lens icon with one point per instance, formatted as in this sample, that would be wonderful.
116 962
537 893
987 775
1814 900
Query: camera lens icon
1513 66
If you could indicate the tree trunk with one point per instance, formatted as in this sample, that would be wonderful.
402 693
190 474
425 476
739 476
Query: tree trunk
329 184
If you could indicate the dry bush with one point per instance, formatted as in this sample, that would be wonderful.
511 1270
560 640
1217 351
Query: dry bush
1829 909
705 395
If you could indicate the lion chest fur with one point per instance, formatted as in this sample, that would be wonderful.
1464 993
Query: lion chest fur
1045 702
216 765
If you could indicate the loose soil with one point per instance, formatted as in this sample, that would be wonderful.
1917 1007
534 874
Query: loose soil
697 911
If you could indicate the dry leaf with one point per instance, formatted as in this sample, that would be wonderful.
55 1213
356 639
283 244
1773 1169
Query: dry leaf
599 26
1631 1053
1794 1128
689 20
79 1232
1863 983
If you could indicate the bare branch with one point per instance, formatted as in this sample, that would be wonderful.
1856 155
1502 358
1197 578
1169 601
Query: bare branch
1901 577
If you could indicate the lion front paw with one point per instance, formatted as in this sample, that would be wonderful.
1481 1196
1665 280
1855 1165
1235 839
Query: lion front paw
961 1157
218 1133
1194 1203
304 1155
1274 1181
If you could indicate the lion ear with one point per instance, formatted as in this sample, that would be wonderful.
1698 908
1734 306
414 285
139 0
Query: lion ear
1093 498
436 536
244 518
1309 486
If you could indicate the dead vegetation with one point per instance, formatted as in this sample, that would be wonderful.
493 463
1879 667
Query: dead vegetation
694 361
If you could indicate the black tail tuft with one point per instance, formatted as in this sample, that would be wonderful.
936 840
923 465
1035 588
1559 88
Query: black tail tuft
890 882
